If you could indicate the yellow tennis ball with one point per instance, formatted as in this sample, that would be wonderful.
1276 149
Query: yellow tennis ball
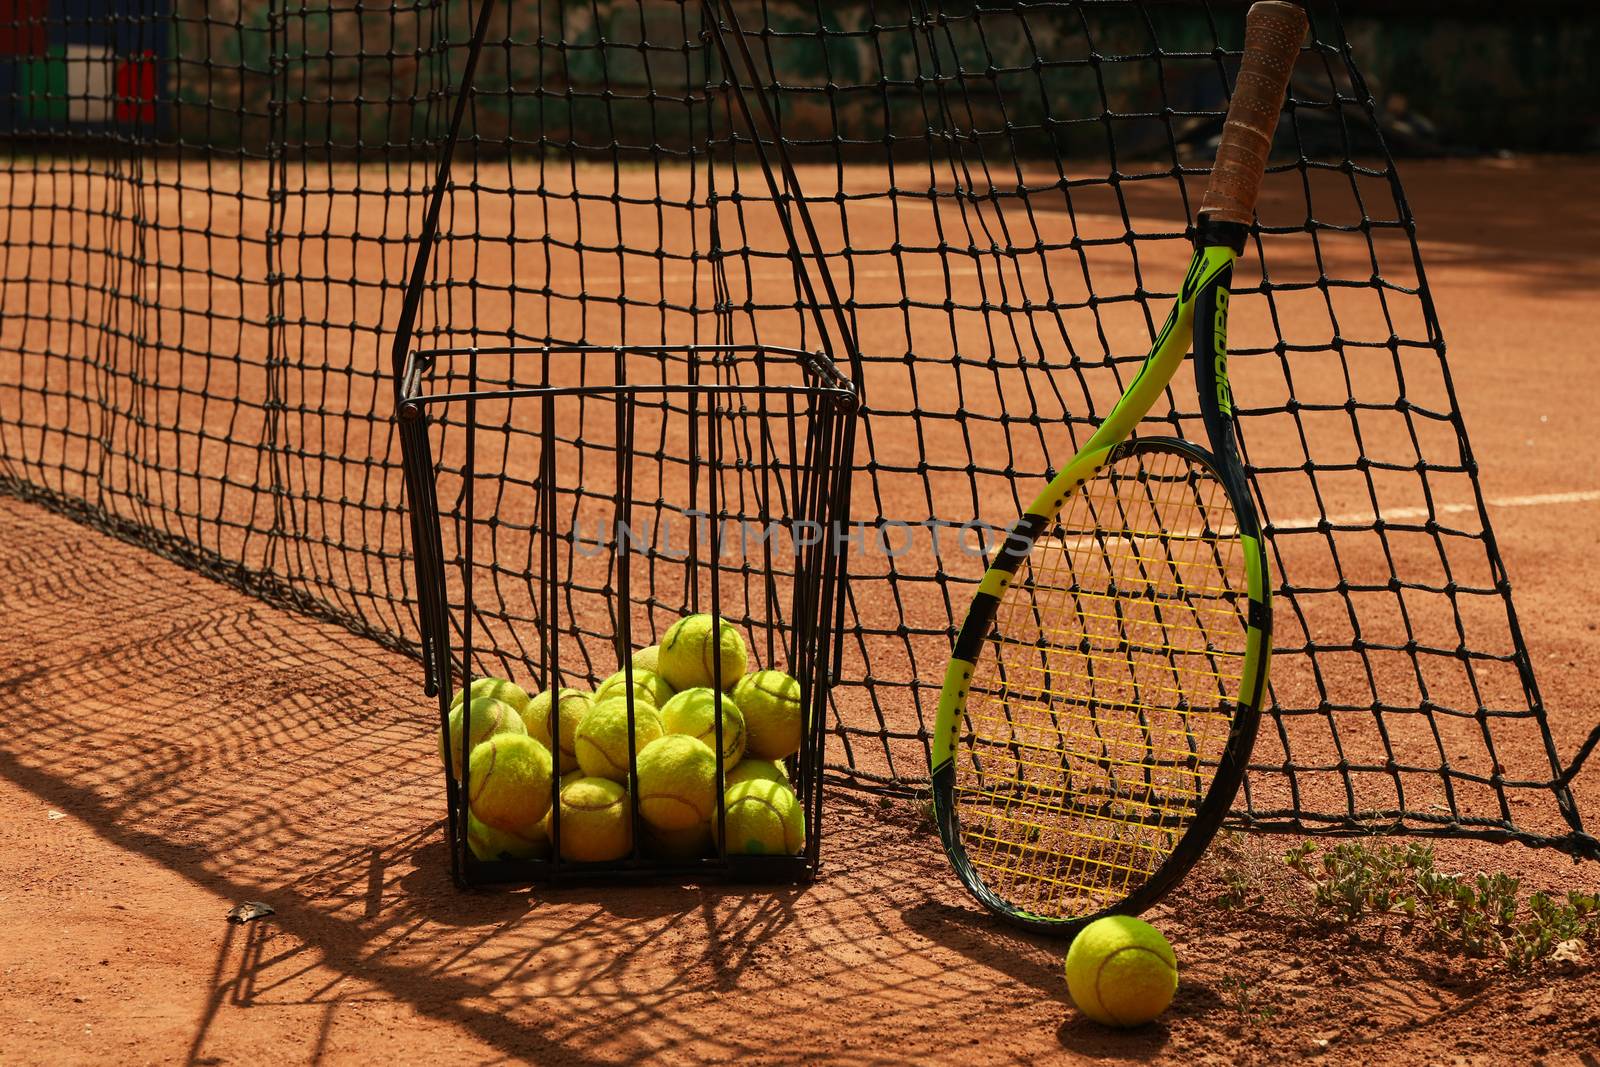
677 783
689 656
693 712
678 846
510 788
601 742
574 705
500 689
487 843
566 779
490 843
770 701
751 770
648 686
596 823
647 658
490 717
764 818
1121 971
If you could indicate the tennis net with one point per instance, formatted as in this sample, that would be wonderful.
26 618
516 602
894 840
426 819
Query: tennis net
209 210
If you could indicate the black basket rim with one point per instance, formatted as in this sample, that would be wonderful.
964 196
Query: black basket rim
815 364
411 406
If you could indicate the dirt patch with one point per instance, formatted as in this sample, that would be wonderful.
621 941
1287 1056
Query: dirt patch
174 748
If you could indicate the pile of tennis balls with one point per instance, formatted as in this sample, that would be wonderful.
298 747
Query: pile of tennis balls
513 756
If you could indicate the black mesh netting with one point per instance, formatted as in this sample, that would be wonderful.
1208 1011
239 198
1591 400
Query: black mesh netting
209 210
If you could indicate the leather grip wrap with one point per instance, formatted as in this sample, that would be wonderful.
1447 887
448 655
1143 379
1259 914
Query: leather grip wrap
1272 35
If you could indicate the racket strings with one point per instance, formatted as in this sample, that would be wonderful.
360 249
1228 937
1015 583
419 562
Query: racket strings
1105 696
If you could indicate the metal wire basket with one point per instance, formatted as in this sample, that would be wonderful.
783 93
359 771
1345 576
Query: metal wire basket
567 504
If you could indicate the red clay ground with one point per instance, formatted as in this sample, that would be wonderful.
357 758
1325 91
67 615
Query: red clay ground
174 748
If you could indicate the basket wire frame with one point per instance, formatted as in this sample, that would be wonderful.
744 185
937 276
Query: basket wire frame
814 414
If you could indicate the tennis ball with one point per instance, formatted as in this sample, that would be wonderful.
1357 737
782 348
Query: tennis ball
509 692
487 843
677 784
694 712
751 770
648 686
648 658
574 705
510 788
764 818
678 846
1121 971
566 779
770 701
596 825
602 738
689 656
490 717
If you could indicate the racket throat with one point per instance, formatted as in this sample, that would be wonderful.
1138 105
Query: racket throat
1219 233
1213 385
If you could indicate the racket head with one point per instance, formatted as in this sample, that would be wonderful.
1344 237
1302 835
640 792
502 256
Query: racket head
1105 691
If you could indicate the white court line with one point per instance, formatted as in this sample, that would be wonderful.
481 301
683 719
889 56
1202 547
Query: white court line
1583 496
1535 500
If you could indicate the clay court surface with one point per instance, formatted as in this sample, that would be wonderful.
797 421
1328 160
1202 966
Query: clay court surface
174 747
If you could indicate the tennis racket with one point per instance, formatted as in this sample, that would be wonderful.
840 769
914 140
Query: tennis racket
1102 699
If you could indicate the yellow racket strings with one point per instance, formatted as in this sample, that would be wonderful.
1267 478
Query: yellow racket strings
1104 697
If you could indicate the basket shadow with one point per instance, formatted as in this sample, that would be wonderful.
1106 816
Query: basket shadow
263 756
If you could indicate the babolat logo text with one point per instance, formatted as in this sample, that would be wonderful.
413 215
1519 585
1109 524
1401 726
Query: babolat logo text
1219 349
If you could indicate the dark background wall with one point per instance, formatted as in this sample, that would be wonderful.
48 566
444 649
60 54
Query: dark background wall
1520 75
1464 75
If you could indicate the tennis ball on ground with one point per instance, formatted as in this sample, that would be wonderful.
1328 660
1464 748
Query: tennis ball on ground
677 784
490 718
510 788
1121 971
487 843
509 692
678 846
751 770
694 712
574 705
689 655
648 686
770 701
601 742
596 824
764 818
648 658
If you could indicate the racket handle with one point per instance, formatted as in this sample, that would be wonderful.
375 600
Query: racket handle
1272 35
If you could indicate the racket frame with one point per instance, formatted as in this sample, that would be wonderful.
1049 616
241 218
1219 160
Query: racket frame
1203 299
